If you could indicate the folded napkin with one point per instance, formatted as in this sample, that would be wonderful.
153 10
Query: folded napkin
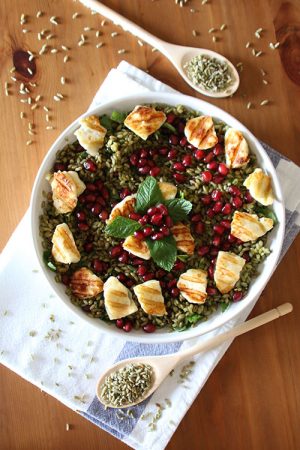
45 343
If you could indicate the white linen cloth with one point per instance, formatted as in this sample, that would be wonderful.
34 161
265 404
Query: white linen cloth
45 343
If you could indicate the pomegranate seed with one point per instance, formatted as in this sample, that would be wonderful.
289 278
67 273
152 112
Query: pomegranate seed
124 193
144 153
168 221
211 271
156 219
97 265
59 166
248 197
81 216
237 296
226 209
239 241
213 165
160 273
213 260
82 199
148 276
237 202
165 230
134 159
155 171
91 187
203 250
214 251
226 246
127 327
187 160
179 166
100 200
217 207
175 292
170 117
124 258
211 291
173 139
144 170
179 265
88 247
153 210
223 169
103 215
218 150
172 283
162 284
216 241
157 236
206 176
180 127
179 177
147 231
142 162
149 328
220 138
142 270
210 213
216 195
226 224
218 179
199 228
116 251
83 226
162 209
135 216
209 157
90 165
234 190
199 154
231 239
144 220
196 218
246 256
105 193
96 209
172 154
137 261
183 141
219 229
91 198
65 279
163 151
119 323
99 184
206 199
139 235
129 283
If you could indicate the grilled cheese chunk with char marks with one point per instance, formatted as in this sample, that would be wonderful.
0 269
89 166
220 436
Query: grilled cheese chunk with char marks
259 185
168 190
192 285
117 299
200 132
249 227
64 249
144 120
123 208
136 247
91 134
85 284
150 297
66 187
184 240
227 271
236 149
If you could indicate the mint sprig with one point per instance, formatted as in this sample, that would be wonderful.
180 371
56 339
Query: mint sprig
148 195
178 208
163 252
122 227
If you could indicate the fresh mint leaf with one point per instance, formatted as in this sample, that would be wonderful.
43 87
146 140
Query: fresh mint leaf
163 252
170 127
47 260
121 227
183 257
224 306
106 122
194 318
178 208
148 194
266 212
118 116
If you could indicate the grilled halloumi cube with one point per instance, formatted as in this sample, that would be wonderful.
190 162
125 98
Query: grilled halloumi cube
236 149
117 299
184 240
85 284
150 298
137 247
66 187
168 190
227 271
259 185
91 134
123 208
249 227
192 285
144 120
64 249
200 132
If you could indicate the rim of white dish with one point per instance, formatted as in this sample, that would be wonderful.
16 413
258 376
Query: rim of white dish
161 335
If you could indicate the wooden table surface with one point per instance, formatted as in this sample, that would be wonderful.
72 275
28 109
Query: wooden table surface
252 399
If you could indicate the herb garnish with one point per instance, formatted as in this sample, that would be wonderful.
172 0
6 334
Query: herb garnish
118 116
266 212
148 194
163 252
122 227
178 208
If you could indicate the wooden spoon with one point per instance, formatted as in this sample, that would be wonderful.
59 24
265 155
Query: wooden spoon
177 54
162 365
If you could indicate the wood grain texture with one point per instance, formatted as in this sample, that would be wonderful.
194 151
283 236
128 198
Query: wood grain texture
252 399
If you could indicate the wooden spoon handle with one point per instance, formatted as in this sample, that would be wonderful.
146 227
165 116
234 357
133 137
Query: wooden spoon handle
125 23
244 327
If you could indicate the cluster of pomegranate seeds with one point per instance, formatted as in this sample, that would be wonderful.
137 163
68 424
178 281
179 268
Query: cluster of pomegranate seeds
144 160
95 201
